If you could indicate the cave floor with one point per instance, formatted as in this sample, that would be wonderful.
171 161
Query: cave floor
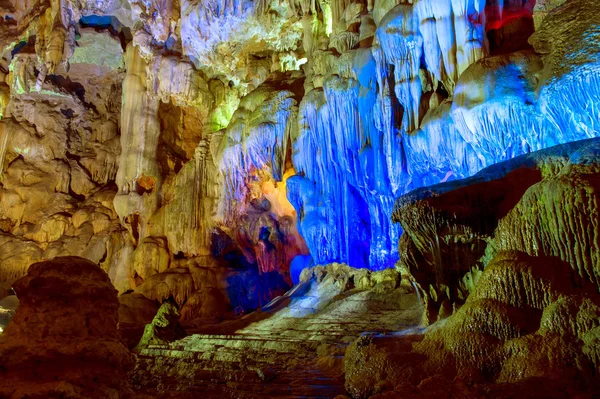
292 348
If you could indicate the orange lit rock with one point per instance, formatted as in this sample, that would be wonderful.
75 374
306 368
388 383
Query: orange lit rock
145 184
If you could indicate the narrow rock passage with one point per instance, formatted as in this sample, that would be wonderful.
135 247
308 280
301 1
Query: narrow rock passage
292 348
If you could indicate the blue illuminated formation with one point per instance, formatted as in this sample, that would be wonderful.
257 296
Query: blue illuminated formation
427 98
298 264
409 115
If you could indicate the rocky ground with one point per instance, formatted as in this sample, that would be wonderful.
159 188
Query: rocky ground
292 348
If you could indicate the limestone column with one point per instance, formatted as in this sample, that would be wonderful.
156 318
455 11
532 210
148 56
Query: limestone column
138 178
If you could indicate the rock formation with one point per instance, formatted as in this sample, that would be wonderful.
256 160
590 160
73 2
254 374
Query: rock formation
330 111
63 339
454 229
509 315
163 329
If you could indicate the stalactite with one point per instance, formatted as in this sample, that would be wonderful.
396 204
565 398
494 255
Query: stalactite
337 10
3 145
138 118
470 35
309 7
386 117
256 138
55 30
54 49
200 182
403 46
308 25
69 47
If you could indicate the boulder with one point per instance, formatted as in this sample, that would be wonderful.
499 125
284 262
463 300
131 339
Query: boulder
63 340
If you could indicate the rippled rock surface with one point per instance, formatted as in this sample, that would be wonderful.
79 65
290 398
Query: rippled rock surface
527 204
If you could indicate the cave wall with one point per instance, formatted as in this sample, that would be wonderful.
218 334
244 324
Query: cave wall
200 150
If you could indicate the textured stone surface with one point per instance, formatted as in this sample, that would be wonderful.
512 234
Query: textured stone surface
513 317
283 350
453 229
63 339
509 338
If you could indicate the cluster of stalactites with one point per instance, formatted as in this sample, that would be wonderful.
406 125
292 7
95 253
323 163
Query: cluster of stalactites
448 36
432 103
344 196
256 138
55 38
160 17
209 12
54 25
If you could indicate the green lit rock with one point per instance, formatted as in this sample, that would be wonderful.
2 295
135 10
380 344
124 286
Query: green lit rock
99 49
164 328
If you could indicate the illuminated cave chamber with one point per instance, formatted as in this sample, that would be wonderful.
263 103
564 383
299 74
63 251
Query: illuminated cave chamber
205 153
406 96
343 106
